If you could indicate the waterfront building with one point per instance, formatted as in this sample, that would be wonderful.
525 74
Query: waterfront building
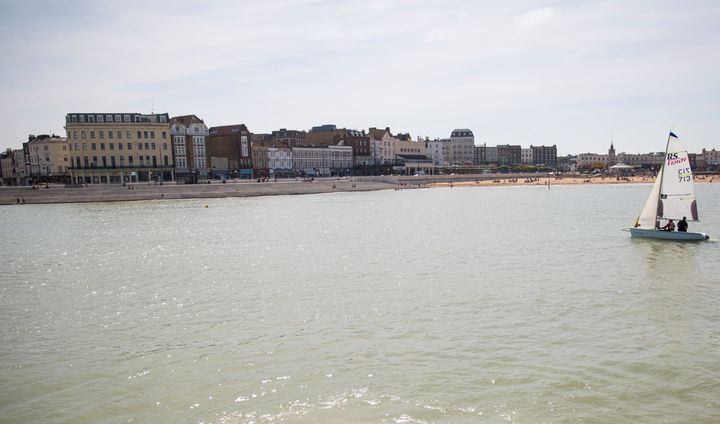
642 160
230 151
322 161
7 168
526 156
189 146
382 146
712 159
509 154
280 160
439 151
462 147
589 161
290 138
411 156
47 156
491 154
545 155
119 147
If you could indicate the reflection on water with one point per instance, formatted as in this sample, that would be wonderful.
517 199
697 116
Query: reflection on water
448 305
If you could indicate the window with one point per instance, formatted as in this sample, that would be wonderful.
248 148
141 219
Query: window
152 146
147 146
104 162
82 118
100 118
110 134
119 134
145 134
93 146
112 146
74 119
129 146
75 135
139 146
94 162
162 119
86 162
139 134
126 118
164 146
130 160
120 146
112 161
117 118
76 146
102 134
102 146
92 134
164 134
82 134
127 134
84 146
109 118
165 160
152 134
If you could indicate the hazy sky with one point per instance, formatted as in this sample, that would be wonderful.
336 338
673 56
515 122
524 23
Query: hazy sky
570 73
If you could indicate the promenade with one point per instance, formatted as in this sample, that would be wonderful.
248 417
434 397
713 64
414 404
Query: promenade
145 191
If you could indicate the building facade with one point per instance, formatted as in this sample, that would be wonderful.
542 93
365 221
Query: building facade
113 148
230 152
189 145
48 158
322 161
545 155
462 147
290 138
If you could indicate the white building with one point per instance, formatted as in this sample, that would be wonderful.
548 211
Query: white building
322 161
439 151
591 160
526 156
280 160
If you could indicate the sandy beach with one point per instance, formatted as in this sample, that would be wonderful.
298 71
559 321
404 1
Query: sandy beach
146 191
543 181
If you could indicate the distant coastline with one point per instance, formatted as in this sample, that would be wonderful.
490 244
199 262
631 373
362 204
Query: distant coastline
144 191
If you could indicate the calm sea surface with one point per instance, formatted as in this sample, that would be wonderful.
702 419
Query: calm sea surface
463 305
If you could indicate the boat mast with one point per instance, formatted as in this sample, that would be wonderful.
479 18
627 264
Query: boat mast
662 171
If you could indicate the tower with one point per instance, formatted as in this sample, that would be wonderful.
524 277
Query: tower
611 155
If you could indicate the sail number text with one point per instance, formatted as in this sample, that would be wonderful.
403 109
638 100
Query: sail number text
684 175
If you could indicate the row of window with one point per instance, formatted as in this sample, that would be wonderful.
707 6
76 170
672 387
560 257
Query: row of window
103 162
181 162
111 146
118 134
112 118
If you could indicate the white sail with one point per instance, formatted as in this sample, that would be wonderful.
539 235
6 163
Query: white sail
649 214
677 190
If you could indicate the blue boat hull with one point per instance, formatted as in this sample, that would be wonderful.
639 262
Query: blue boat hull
667 235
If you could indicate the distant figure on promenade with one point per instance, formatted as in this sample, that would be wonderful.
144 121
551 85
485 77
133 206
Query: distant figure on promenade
682 225
670 226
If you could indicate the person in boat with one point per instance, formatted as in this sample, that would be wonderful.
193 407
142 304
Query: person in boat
682 225
670 226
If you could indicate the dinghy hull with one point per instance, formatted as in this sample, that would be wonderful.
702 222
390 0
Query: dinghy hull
667 235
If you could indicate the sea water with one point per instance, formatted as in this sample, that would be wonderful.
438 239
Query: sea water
462 305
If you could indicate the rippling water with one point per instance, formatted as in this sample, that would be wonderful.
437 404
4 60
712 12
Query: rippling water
512 304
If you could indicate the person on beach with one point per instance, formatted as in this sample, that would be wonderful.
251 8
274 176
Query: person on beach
670 226
682 225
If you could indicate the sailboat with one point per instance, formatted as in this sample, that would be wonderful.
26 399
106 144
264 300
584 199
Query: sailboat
672 197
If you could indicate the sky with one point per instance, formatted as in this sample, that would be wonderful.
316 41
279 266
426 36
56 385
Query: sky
576 74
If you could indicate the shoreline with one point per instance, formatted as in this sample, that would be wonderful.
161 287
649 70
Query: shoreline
145 191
